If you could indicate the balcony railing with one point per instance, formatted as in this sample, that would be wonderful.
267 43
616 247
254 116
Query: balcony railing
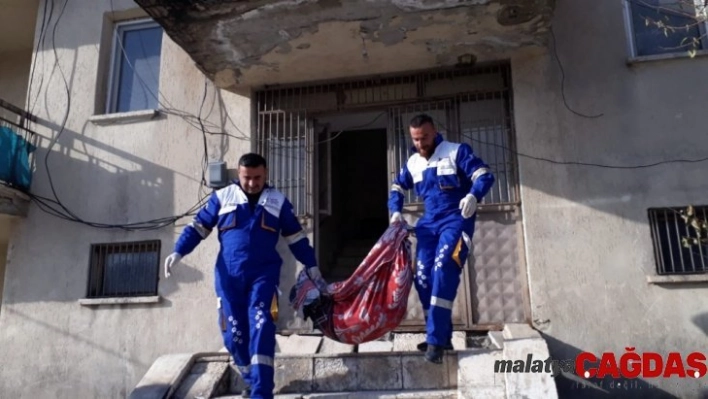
17 146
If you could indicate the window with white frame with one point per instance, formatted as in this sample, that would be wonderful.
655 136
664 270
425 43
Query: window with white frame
135 68
665 26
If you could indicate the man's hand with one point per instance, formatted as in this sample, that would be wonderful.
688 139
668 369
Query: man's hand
468 206
397 218
170 261
316 276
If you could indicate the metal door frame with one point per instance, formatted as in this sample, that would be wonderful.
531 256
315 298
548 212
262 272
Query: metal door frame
364 86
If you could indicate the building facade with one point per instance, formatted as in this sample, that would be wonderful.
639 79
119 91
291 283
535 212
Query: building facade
587 116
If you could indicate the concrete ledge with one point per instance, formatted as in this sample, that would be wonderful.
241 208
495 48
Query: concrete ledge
519 331
119 301
392 394
204 379
663 57
124 117
163 376
379 374
692 278
13 202
528 385
378 371
497 339
476 369
298 344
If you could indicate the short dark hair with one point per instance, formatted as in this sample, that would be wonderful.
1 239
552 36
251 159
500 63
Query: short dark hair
420 120
252 160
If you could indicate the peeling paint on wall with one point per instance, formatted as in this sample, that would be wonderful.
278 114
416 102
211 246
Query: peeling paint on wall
294 40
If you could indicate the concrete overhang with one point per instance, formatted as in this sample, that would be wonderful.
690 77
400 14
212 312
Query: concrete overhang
251 43
13 203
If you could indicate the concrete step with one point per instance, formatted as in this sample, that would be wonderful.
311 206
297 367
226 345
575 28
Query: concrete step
432 394
316 367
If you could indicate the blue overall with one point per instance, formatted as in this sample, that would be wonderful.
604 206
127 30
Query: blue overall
247 272
443 235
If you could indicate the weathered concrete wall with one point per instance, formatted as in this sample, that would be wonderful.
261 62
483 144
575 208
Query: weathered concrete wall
14 78
3 261
588 243
17 24
51 346
7 223
235 44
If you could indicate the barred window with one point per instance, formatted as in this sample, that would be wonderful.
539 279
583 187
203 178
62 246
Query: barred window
126 269
678 247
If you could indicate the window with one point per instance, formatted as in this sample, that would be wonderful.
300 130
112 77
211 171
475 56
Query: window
125 269
665 26
135 69
675 249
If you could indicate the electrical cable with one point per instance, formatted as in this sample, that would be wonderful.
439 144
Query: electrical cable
56 208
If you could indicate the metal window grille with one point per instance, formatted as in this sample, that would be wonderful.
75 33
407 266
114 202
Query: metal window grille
285 139
124 269
486 124
667 230
469 104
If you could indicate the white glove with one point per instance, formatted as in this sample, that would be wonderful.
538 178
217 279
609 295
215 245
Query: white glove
397 218
170 261
468 206
316 276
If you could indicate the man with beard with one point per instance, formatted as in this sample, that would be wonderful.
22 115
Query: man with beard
249 216
451 180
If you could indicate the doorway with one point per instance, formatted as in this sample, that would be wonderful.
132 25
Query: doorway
334 191
358 190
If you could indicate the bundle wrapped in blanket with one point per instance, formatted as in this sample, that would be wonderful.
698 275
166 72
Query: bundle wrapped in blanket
372 302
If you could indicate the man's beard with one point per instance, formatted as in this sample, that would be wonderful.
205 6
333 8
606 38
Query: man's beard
253 191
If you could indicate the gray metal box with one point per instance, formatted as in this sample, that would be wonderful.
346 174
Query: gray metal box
217 175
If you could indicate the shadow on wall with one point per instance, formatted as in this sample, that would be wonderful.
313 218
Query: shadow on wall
572 386
631 132
100 183
97 183
86 339
701 321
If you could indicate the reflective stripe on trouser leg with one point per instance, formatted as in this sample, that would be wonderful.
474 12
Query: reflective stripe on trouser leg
423 281
234 330
262 338
446 280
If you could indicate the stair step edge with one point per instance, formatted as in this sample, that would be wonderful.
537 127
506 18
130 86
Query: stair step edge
417 394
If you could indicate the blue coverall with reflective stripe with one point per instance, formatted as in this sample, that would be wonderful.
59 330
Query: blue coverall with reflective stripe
247 272
443 235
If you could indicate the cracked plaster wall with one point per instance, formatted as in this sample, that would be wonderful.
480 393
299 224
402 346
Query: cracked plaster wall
257 43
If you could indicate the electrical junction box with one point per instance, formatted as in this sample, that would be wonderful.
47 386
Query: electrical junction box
217 175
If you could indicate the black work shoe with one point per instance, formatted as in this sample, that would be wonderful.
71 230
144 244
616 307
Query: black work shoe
434 354
423 346
246 393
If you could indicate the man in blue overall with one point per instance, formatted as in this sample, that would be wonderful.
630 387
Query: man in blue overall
451 180
249 216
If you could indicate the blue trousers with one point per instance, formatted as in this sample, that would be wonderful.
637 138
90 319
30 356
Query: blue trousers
443 245
248 328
